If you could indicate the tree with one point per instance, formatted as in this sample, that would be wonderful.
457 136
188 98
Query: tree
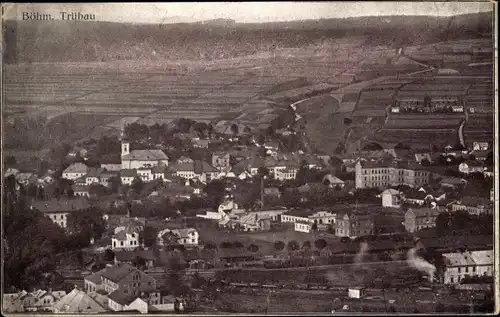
320 244
226 245
253 248
263 171
306 245
114 184
139 262
314 226
347 121
97 190
109 255
237 244
215 191
279 245
10 161
70 192
292 246
210 246
442 222
440 308
234 129
137 185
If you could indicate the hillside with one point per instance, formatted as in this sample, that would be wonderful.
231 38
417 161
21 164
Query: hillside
63 41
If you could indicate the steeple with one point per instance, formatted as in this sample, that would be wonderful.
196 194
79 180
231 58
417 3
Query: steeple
125 142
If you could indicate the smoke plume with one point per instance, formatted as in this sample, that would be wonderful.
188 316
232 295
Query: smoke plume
420 264
361 253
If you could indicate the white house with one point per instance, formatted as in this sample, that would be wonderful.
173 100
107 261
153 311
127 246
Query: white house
186 237
322 218
75 170
391 198
471 167
303 226
127 176
286 173
126 237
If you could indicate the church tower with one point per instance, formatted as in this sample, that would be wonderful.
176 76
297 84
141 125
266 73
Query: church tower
125 147
125 143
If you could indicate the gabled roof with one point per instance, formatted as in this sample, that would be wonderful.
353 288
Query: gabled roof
145 155
424 212
128 173
333 179
94 172
118 271
76 168
183 233
121 298
77 301
458 259
483 257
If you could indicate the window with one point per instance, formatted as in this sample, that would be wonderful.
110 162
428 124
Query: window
121 243
473 269
459 270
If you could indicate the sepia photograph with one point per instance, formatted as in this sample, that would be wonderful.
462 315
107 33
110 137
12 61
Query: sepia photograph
307 158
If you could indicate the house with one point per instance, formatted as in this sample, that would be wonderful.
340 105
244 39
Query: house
288 173
200 144
120 276
391 198
272 192
93 175
200 170
458 265
130 257
11 171
419 157
186 237
59 210
415 197
159 172
78 302
111 167
81 190
353 225
296 215
323 218
36 301
473 205
105 176
303 226
444 244
26 178
184 159
480 146
255 221
471 167
481 155
141 158
75 170
127 176
127 237
420 218
333 181
221 160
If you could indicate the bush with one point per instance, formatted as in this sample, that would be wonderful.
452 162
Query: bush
279 245
226 245
293 245
320 244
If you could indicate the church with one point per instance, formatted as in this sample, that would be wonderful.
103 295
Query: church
136 159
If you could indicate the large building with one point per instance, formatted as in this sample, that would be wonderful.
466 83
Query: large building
420 218
383 175
459 265
353 225
59 210
142 158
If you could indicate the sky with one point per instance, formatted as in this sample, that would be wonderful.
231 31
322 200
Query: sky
248 12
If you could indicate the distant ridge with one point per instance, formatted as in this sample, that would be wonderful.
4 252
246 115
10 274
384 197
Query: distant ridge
64 41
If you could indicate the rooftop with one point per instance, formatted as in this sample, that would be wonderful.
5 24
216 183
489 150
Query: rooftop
62 205
76 168
145 155
118 271
77 301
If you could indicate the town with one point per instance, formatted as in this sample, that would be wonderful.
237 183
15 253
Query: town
337 176
193 218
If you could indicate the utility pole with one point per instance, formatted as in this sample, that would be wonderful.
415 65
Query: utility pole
262 192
